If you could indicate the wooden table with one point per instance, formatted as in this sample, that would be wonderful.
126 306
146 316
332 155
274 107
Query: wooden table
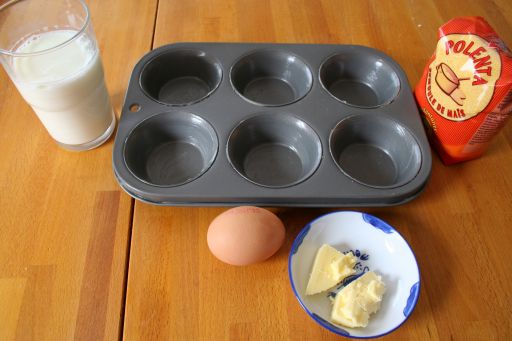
81 259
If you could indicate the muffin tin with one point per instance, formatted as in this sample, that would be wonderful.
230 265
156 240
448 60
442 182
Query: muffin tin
270 125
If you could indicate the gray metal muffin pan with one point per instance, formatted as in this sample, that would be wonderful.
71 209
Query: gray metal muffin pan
270 125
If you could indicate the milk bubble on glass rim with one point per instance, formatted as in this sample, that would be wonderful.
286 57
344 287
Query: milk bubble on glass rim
65 86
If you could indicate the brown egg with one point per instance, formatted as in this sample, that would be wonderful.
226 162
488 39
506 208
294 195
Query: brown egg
245 235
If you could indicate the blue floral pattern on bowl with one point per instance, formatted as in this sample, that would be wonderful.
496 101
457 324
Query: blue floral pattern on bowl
377 223
413 298
361 268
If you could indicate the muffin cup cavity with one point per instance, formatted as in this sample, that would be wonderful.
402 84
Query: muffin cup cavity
181 77
271 78
274 150
358 79
171 149
375 151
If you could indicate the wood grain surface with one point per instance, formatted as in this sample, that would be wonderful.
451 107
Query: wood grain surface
79 259
64 222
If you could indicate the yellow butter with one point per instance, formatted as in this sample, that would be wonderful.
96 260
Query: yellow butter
329 268
354 303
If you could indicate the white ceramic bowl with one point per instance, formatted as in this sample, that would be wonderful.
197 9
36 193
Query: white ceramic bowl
378 247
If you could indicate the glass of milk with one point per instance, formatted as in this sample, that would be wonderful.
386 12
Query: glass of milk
49 50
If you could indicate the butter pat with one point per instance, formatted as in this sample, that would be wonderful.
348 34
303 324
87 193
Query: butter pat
329 268
354 303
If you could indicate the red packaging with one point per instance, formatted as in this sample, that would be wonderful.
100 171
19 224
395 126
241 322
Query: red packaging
465 93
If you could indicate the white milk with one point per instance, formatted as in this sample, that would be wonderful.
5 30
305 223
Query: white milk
65 87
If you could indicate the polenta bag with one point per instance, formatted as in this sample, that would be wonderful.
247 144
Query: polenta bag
465 93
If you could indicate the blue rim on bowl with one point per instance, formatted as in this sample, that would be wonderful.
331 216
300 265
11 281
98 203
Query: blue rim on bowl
368 232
